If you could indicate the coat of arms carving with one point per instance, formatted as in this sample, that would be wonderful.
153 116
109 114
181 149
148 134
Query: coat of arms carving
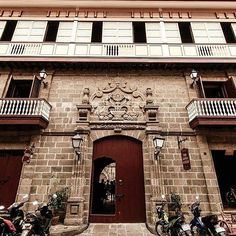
118 102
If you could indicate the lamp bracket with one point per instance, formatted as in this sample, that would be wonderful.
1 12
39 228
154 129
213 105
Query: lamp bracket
181 140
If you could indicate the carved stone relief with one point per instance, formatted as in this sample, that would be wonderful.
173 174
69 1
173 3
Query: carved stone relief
118 102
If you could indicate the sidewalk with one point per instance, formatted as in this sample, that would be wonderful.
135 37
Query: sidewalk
132 229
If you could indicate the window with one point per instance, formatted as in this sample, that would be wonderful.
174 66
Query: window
217 89
8 31
84 32
139 32
64 32
51 32
172 33
97 32
19 88
29 31
153 32
228 32
185 32
210 32
117 32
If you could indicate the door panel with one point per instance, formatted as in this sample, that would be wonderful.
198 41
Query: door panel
11 165
126 153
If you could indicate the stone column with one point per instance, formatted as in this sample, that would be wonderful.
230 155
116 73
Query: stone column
209 175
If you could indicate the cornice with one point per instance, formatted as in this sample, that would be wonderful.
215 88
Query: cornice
122 4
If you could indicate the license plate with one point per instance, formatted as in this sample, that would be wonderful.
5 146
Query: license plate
219 229
185 227
26 226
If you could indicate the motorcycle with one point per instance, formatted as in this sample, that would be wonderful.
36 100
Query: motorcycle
39 222
13 217
171 226
208 225
197 226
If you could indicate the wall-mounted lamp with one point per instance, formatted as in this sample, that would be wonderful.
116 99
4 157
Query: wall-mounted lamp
43 74
28 154
179 140
76 144
194 76
158 143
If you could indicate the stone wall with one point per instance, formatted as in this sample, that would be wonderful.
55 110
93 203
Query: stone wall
54 160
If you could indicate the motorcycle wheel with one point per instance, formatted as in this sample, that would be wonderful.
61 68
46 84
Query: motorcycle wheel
176 232
159 229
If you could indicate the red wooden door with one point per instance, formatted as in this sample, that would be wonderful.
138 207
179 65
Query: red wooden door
10 170
126 154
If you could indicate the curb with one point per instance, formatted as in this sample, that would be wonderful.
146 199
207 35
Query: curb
66 230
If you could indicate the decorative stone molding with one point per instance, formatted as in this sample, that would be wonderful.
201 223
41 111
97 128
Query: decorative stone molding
118 102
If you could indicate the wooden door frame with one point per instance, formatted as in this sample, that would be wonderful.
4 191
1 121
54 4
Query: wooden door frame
113 137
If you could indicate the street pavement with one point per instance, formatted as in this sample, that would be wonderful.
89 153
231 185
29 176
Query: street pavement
135 229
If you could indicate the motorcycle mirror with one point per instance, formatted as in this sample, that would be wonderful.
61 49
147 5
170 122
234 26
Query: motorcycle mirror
54 196
35 203
2 207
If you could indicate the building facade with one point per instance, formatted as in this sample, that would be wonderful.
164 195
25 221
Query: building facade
118 77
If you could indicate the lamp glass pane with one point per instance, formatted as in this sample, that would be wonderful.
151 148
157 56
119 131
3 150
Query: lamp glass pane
158 142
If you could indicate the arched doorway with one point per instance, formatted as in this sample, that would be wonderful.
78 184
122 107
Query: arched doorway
117 165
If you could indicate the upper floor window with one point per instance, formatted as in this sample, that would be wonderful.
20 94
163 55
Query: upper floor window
117 32
210 32
139 32
228 32
20 88
217 89
97 32
7 29
185 32
51 31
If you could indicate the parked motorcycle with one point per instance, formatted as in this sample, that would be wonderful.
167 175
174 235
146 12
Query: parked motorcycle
13 217
198 228
171 226
208 225
7 228
39 222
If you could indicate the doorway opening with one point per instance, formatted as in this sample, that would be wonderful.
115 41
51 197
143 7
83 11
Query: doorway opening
225 171
104 186
117 190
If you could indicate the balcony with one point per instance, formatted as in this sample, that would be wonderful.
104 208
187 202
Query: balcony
24 111
88 51
212 112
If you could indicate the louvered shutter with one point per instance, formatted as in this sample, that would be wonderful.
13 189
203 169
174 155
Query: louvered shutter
84 32
29 31
200 88
153 32
64 33
34 93
117 32
172 33
207 32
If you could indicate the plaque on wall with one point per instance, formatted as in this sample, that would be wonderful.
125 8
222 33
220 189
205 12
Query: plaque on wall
185 159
